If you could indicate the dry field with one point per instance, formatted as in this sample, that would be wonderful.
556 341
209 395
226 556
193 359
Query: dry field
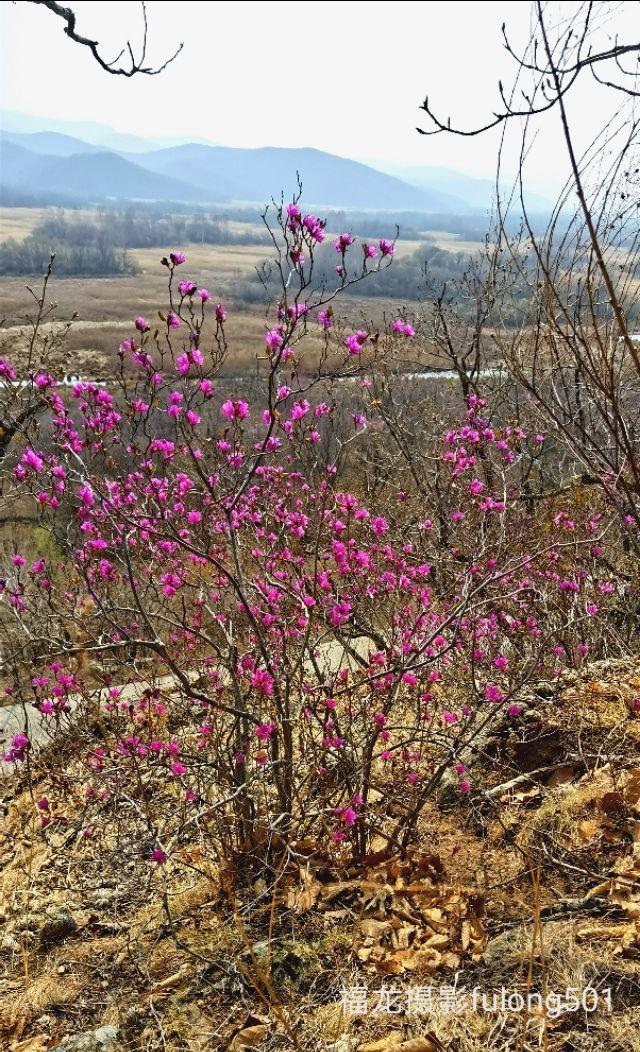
104 307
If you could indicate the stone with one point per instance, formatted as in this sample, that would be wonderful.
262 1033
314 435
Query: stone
104 1039
56 927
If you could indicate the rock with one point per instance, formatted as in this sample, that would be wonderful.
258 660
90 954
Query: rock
103 1039
56 927
103 896
9 944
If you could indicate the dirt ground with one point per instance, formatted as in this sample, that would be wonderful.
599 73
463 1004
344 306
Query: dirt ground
529 883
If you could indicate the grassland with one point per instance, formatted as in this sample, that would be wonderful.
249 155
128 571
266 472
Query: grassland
104 307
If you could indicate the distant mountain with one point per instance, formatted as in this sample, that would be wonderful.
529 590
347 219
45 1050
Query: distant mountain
53 143
478 193
327 180
87 177
91 132
67 159
53 163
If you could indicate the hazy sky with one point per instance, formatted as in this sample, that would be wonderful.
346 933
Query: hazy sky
343 77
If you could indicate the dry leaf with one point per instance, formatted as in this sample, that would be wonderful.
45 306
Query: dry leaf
248 1038
392 1040
428 1043
31 1044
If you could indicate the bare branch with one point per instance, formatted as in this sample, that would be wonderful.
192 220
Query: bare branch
136 65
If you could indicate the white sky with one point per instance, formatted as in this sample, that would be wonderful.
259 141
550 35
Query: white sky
343 77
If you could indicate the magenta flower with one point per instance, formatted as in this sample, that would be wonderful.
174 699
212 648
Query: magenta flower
342 243
187 288
265 730
221 313
325 318
235 410
177 258
31 460
142 324
274 339
387 248
403 327
204 295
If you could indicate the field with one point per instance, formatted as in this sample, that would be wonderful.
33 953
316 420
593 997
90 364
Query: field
104 307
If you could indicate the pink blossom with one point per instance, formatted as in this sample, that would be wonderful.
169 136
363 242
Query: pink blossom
342 242
274 339
237 410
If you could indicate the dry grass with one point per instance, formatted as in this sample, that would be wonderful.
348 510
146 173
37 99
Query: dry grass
19 222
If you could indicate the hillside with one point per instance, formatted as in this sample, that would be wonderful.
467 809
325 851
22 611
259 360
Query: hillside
88 176
41 163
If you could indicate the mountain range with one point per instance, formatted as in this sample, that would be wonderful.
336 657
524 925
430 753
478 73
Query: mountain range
49 165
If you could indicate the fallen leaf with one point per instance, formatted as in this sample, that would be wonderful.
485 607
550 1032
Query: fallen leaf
428 1043
392 1040
250 1036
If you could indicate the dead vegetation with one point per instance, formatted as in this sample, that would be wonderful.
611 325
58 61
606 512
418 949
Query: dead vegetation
531 884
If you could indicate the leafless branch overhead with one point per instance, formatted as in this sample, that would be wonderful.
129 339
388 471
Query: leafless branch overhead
131 66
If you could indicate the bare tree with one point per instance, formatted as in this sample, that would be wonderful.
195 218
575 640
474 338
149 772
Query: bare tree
574 351
130 64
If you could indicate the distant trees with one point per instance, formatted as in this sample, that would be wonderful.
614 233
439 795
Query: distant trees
92 257
98 246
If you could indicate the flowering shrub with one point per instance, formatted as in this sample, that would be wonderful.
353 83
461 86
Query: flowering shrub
312 665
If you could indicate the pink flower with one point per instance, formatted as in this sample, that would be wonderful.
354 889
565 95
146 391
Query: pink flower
274 339
187 288
293 213
31 460
349 816
177 258
403 327
493 693
387 248
142 324
221 313
173 321
265 730
204 295
325 318
342 242
158 855
379 526
235 410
